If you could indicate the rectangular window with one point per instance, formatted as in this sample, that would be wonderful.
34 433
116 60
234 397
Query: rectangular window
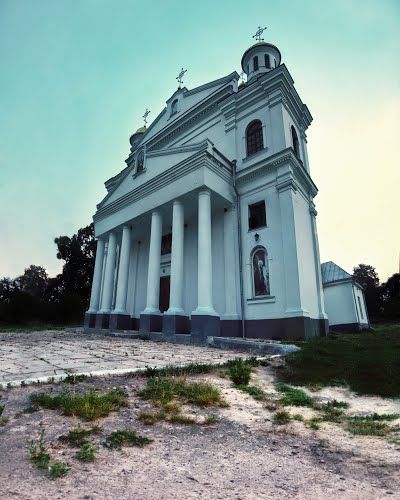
166 244
257 217
360 308
267 62
255 63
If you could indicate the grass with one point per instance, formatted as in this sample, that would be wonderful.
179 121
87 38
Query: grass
164 390
74 379
253 391
281 417
239 371
39 456
3 421
176 418
362 427
86 453
126 437
79 435
179 371
368 362
293 396
58 469
150 418
33 328
89 405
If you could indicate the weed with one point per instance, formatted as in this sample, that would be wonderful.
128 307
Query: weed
298 417
163 390
211 419
78 436
179 371
89 405
379 416
293 396
58 469
150 418
281 418
3 421
314 423
1 409
38 452
30 409
362 427
239 371
86 453
181 419
337 404
74 379
125 437
257 393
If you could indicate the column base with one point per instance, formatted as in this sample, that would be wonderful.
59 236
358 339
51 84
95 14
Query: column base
120 322
175 323
102 321
203 326
150 323
90 320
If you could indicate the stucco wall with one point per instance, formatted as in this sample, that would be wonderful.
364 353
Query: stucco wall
339 303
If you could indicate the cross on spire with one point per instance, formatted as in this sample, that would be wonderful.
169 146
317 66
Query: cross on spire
258 34
146 114
180 77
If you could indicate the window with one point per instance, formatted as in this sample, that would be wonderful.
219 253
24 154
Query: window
275 65
295 143
267 61
254 137
259 260
174 107
257 216
360 307
140 162
166 244
255 63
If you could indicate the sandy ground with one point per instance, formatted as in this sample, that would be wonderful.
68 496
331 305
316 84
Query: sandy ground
242 456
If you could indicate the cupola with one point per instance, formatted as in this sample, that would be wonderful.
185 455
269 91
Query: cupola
260 58
136 137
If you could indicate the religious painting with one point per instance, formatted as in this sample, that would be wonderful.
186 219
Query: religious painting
140 162
260 272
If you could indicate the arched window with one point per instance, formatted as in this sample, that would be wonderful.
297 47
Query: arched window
254 137
259 262
140 162
174 107
295 143
255 63
267 61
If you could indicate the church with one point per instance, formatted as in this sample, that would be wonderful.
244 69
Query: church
210 229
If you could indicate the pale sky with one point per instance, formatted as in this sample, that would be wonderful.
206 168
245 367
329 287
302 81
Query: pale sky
76 77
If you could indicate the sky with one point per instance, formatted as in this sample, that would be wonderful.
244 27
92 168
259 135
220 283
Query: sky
76 77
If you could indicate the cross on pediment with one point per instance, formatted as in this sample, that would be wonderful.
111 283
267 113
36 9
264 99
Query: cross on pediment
146 114
180 77
258 34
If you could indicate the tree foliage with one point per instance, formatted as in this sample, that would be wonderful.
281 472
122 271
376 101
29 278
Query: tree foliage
368 278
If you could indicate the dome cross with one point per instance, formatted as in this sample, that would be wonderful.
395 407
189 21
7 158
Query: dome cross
258 34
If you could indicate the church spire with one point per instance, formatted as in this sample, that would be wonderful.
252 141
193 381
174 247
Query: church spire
260 57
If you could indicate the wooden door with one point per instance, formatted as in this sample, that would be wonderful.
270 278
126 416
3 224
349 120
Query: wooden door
164 293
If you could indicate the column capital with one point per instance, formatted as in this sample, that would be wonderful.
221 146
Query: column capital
205 191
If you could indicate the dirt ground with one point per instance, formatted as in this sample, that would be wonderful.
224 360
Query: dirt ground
242 456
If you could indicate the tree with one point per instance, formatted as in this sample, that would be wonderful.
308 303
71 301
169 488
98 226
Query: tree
78 254
8 288
33 281
390 292
368 278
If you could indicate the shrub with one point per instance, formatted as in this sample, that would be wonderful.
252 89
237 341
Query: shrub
281 417
86 453
239 372
58 469
38 452
125 437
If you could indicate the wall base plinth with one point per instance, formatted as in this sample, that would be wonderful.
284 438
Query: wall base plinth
120 322
90 320
175 324
102 321
203 326
150 323
286 328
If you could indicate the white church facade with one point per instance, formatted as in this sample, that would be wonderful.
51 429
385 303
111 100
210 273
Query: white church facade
210 230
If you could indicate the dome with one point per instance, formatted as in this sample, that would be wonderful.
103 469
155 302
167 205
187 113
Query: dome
260 58
141 130
134 138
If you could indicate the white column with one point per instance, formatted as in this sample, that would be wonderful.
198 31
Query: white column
153 276
317 263
204 258
230 266
97 274
109 274
176 290
122 283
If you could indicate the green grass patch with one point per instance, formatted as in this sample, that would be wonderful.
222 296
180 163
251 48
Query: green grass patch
74 379
86 453
362 427
179 371
253 391
150 418
367 362
281 417
89 405
80 435
58 469
164 390
177 418
293 396
4 421
239 371
127 437
39 456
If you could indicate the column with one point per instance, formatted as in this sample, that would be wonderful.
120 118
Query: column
176 290
109 274
122 283
96 283
205 321
150 318
174 320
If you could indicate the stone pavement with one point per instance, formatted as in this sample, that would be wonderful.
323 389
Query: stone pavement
53 355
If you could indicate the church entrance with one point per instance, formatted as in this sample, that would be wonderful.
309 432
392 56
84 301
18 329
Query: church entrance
164 293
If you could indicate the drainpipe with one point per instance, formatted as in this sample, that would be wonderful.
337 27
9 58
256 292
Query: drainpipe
239 229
